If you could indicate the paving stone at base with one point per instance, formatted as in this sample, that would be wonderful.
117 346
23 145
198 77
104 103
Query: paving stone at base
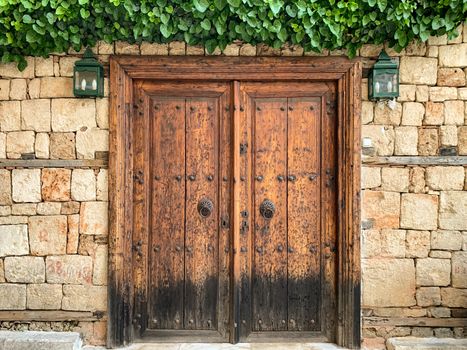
412 343
39 340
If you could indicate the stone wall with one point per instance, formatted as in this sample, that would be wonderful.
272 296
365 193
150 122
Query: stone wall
53 220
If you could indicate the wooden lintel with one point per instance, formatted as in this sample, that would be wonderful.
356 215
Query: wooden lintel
50 316
416 160
53 163
414 322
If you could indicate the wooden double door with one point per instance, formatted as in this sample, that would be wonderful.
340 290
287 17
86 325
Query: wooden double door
234 207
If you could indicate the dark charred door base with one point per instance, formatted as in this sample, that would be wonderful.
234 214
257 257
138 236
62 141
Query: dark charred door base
236 200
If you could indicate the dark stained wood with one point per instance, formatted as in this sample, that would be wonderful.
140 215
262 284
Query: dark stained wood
51 316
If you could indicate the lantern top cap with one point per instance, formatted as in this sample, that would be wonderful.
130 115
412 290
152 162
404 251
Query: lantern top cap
384 61
88 59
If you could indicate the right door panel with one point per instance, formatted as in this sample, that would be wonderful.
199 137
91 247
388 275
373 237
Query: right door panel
288 273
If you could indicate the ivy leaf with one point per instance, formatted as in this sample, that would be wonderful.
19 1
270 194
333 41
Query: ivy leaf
382 5
83 2
276 6
220 4
282 35
84 13
27 19
165 30
201 5
206 24
234 3
210 46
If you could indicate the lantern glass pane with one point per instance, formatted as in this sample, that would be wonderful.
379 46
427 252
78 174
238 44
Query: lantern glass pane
385 82
86 80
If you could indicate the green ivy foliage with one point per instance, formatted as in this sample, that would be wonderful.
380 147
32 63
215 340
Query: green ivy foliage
39 27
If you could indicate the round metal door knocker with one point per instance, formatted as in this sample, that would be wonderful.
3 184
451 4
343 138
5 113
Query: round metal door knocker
205 207
267 209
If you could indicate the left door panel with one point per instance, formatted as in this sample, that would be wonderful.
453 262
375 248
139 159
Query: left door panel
181 135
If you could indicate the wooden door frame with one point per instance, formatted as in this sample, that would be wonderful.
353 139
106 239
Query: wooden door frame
344 72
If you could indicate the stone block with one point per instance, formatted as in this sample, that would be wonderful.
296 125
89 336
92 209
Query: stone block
428 296
2 272
419 211
18 89
69 269
440 254
14 240
395 179
13 220
67 64
12 296
19 142
234 50
367 112
31 340
5 187
454 112
413 113
444 178
454 297
100 262
104 48
439 312
417 244
371 177
56 87
392 243
428 142
433 272
125 48
102 185
5 210
42 145
49 208
93 218
382 208
448 135
73 234
83 185
406 93
382 137
387 116
56 184
34 88
453 55
47 234
453 210
154 49
4 89
84 298
434 113
416 48
412 343
462 140
26 184
70 208
24 209
24 269
421 93
10 115
73 114
10 70
388 282
418 70
102 113
440 94
432 51
451 77
35 115
2 145
247 50
406 140
44 66
177 48
459 269
90 141
371 243
462 94
44 296
62 146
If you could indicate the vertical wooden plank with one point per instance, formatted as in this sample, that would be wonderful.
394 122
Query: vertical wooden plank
201 238
168 213
304 211
270 236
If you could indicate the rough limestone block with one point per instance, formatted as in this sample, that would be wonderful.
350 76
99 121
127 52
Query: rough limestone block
247 50
29 340
421 93
371 177
19 142
451 77
428 296
10 70
47 234
412 343
428 142
418 70
453 55
434 113
102 113
84 298
392 243
406 93
462 140
387 116
443 178
44 296
177 48
73 234
381 208
5 187
454 297
10 115
35 115
42 145
454 112
453 210
56 184
62 146
100 262
367 112
4 89
66 65
24 269
419 211
83 185
49 208
433 272
371 243
459 269
417 244
73 114
90 141
2 145
12 297
102 185
440 94
14 240
94 218
125 48
388 282
448 135
18 89
26 185
34 88
413 113
69 269
24 209
44 66
104 48
56 87
406 140
154 49
382 138
395 179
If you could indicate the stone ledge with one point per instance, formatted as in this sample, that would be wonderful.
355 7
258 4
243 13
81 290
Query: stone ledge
31 340
411 343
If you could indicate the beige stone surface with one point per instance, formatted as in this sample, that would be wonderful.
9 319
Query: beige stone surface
124 48
5 187
94 218
42 146
406 140
406 92
100 262
395 179
382 138
454 297
44 66
14 240
70 208
419 211
453 55
49 208
34 88
418 70
388 282
47 234
434 113
445 177
462 93
102 185
102 113
448 135
247 50
2 272
26 184
104 48
453 210
421 93
382 208
371 177
459 269
371 243
413 113
367 112
154 49
13 220
73 234
56 184
18 89
416 48
67 64
5 210
440 94
10 115
10 70
387 116
24 269
44 296
2 145
428 142
69 269
417 244
428 296
35 115
433 272
4 89
73 114
177 48
392 243
62 146
234 50
84 298
451 77
56 87
83 185
90 141
462 140
12 296
454 112
24 209
19 142
440 254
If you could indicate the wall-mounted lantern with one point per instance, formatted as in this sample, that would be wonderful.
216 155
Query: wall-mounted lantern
383 80
88 76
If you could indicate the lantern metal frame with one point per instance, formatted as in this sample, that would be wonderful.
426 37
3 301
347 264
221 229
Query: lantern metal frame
90 65
384 66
